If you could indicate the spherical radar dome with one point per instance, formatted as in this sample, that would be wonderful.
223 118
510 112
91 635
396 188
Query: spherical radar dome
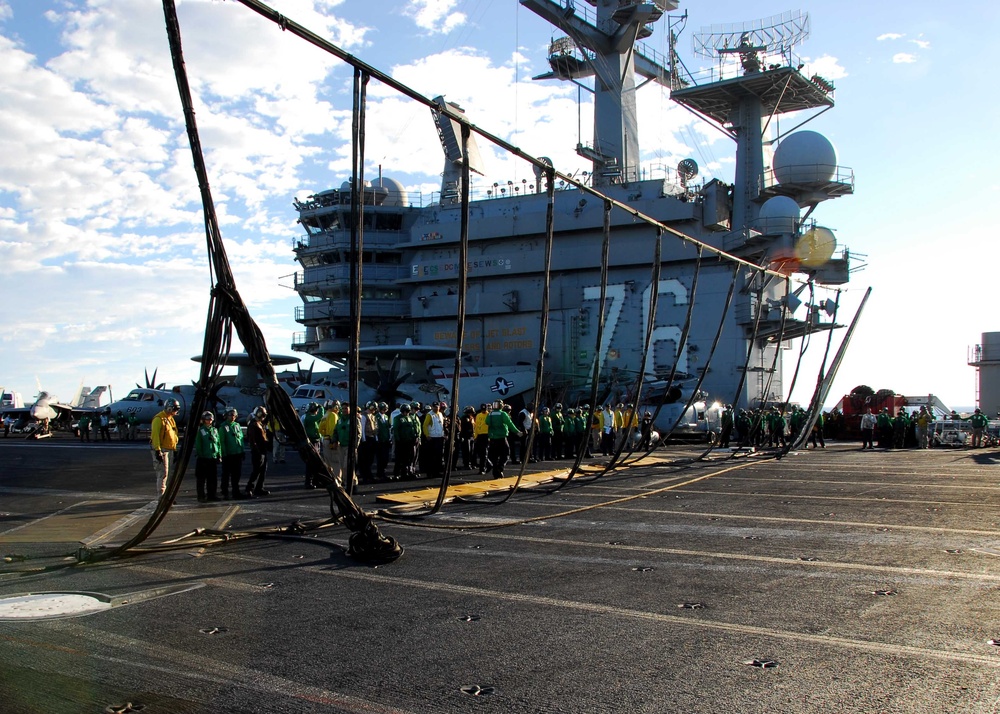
778 215
815 247
397 193
805 157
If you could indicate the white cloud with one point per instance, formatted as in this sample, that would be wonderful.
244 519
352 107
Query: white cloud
100 213
904 58
922 44
826 66
435 16
889 36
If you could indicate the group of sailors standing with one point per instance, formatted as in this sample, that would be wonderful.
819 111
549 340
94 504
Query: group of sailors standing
913 430
214 446
414 437
768 427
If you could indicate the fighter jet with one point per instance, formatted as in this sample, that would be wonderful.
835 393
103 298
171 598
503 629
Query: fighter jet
47 412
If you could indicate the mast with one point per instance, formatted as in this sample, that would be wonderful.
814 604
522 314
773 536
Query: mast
604 45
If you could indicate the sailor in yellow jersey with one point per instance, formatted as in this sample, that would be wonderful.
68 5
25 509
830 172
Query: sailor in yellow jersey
163 440
482 443
327 431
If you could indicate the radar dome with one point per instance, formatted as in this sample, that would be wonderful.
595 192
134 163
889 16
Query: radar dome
815 247
778 215
397 194
805 157
346 186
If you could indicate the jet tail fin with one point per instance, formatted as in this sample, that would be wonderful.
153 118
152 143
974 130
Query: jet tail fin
91 398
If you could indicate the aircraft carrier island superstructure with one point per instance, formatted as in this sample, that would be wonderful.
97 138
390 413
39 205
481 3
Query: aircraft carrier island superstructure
410 253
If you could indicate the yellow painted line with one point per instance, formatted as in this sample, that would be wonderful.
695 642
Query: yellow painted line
477 488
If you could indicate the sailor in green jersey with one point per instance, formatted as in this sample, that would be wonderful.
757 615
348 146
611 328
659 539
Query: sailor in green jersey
233 453
501 426
406 439
209 453
311 423
796 421
343 433
883 424
544 448
84 426
899 426
979 423
558 430
581 432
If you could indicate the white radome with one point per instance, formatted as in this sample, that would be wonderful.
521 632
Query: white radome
805 157
778 215
397 193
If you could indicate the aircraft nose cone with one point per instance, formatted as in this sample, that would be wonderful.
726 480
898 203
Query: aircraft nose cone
43 412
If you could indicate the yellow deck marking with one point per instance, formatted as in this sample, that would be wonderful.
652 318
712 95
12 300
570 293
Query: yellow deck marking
479 488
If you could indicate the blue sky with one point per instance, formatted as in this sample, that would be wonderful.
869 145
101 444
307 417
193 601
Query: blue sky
101 235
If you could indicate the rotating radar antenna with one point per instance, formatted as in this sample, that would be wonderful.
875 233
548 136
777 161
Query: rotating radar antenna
760 44
687 169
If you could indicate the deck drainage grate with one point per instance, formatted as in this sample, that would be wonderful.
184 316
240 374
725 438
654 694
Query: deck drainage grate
475 690
124 708
469 618
762 663
884 592
691 605
213 630
643 569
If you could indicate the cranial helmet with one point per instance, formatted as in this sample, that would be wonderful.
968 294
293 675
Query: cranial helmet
172 405
259 413
208 415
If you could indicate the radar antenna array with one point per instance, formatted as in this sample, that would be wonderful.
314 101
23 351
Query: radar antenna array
687 169
777 34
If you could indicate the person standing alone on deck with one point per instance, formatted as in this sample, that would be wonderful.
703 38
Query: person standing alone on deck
163 439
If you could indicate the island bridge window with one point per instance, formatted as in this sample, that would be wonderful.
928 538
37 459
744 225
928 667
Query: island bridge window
376 221
381 294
